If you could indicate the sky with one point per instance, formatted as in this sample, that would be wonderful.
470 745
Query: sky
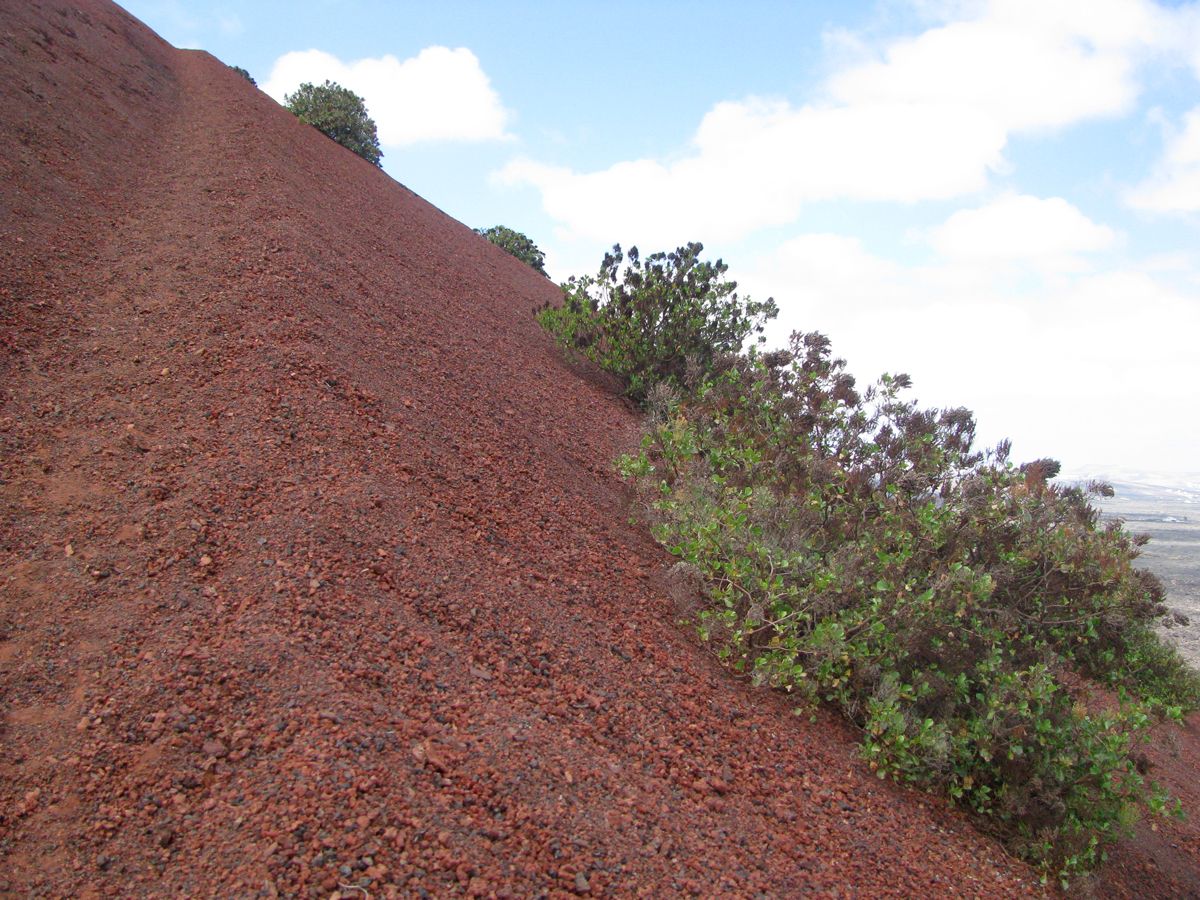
1000 198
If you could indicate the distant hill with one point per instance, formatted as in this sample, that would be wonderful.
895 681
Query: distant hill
1141 486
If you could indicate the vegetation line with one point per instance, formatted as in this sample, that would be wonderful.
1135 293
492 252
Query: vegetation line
971 617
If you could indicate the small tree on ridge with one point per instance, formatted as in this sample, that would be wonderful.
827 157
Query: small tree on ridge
516 244
652 320
245 74
338 113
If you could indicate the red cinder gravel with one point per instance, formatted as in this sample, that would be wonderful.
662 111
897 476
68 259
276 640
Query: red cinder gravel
314 571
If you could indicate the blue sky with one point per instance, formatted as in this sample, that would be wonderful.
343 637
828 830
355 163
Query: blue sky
999 197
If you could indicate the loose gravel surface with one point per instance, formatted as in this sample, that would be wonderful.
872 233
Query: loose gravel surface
315 577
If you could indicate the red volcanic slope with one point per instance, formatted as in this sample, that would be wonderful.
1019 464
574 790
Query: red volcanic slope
313 568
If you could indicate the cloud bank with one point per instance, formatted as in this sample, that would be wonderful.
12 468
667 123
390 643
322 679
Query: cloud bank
920 118
1016 228
438 95
1175 186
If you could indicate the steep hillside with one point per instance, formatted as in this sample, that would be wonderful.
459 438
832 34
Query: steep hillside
313 568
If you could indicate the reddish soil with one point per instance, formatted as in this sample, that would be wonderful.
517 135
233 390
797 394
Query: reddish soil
314 573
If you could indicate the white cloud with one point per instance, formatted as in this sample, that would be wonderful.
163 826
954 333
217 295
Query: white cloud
928 118
1026 64
438 95
1175 187
755 163
1083 367
1015 228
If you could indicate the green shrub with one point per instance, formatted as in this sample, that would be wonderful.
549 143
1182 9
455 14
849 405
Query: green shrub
245 74
664 319
857 551
338 113
516 244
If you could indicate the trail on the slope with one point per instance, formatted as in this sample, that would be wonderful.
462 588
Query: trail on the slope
314 569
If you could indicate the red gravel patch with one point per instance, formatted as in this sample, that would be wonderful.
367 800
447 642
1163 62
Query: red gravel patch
314 571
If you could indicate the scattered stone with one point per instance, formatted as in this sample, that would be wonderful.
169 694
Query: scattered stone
215 749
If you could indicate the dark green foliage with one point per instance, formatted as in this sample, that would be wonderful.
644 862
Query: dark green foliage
338 113
664 319
857 551
516 244
244 74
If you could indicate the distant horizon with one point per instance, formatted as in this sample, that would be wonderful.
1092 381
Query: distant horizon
997 197
1180 481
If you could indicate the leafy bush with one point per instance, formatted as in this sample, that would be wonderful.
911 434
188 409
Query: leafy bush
338 113
516 244
857 551
245 74
664 319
